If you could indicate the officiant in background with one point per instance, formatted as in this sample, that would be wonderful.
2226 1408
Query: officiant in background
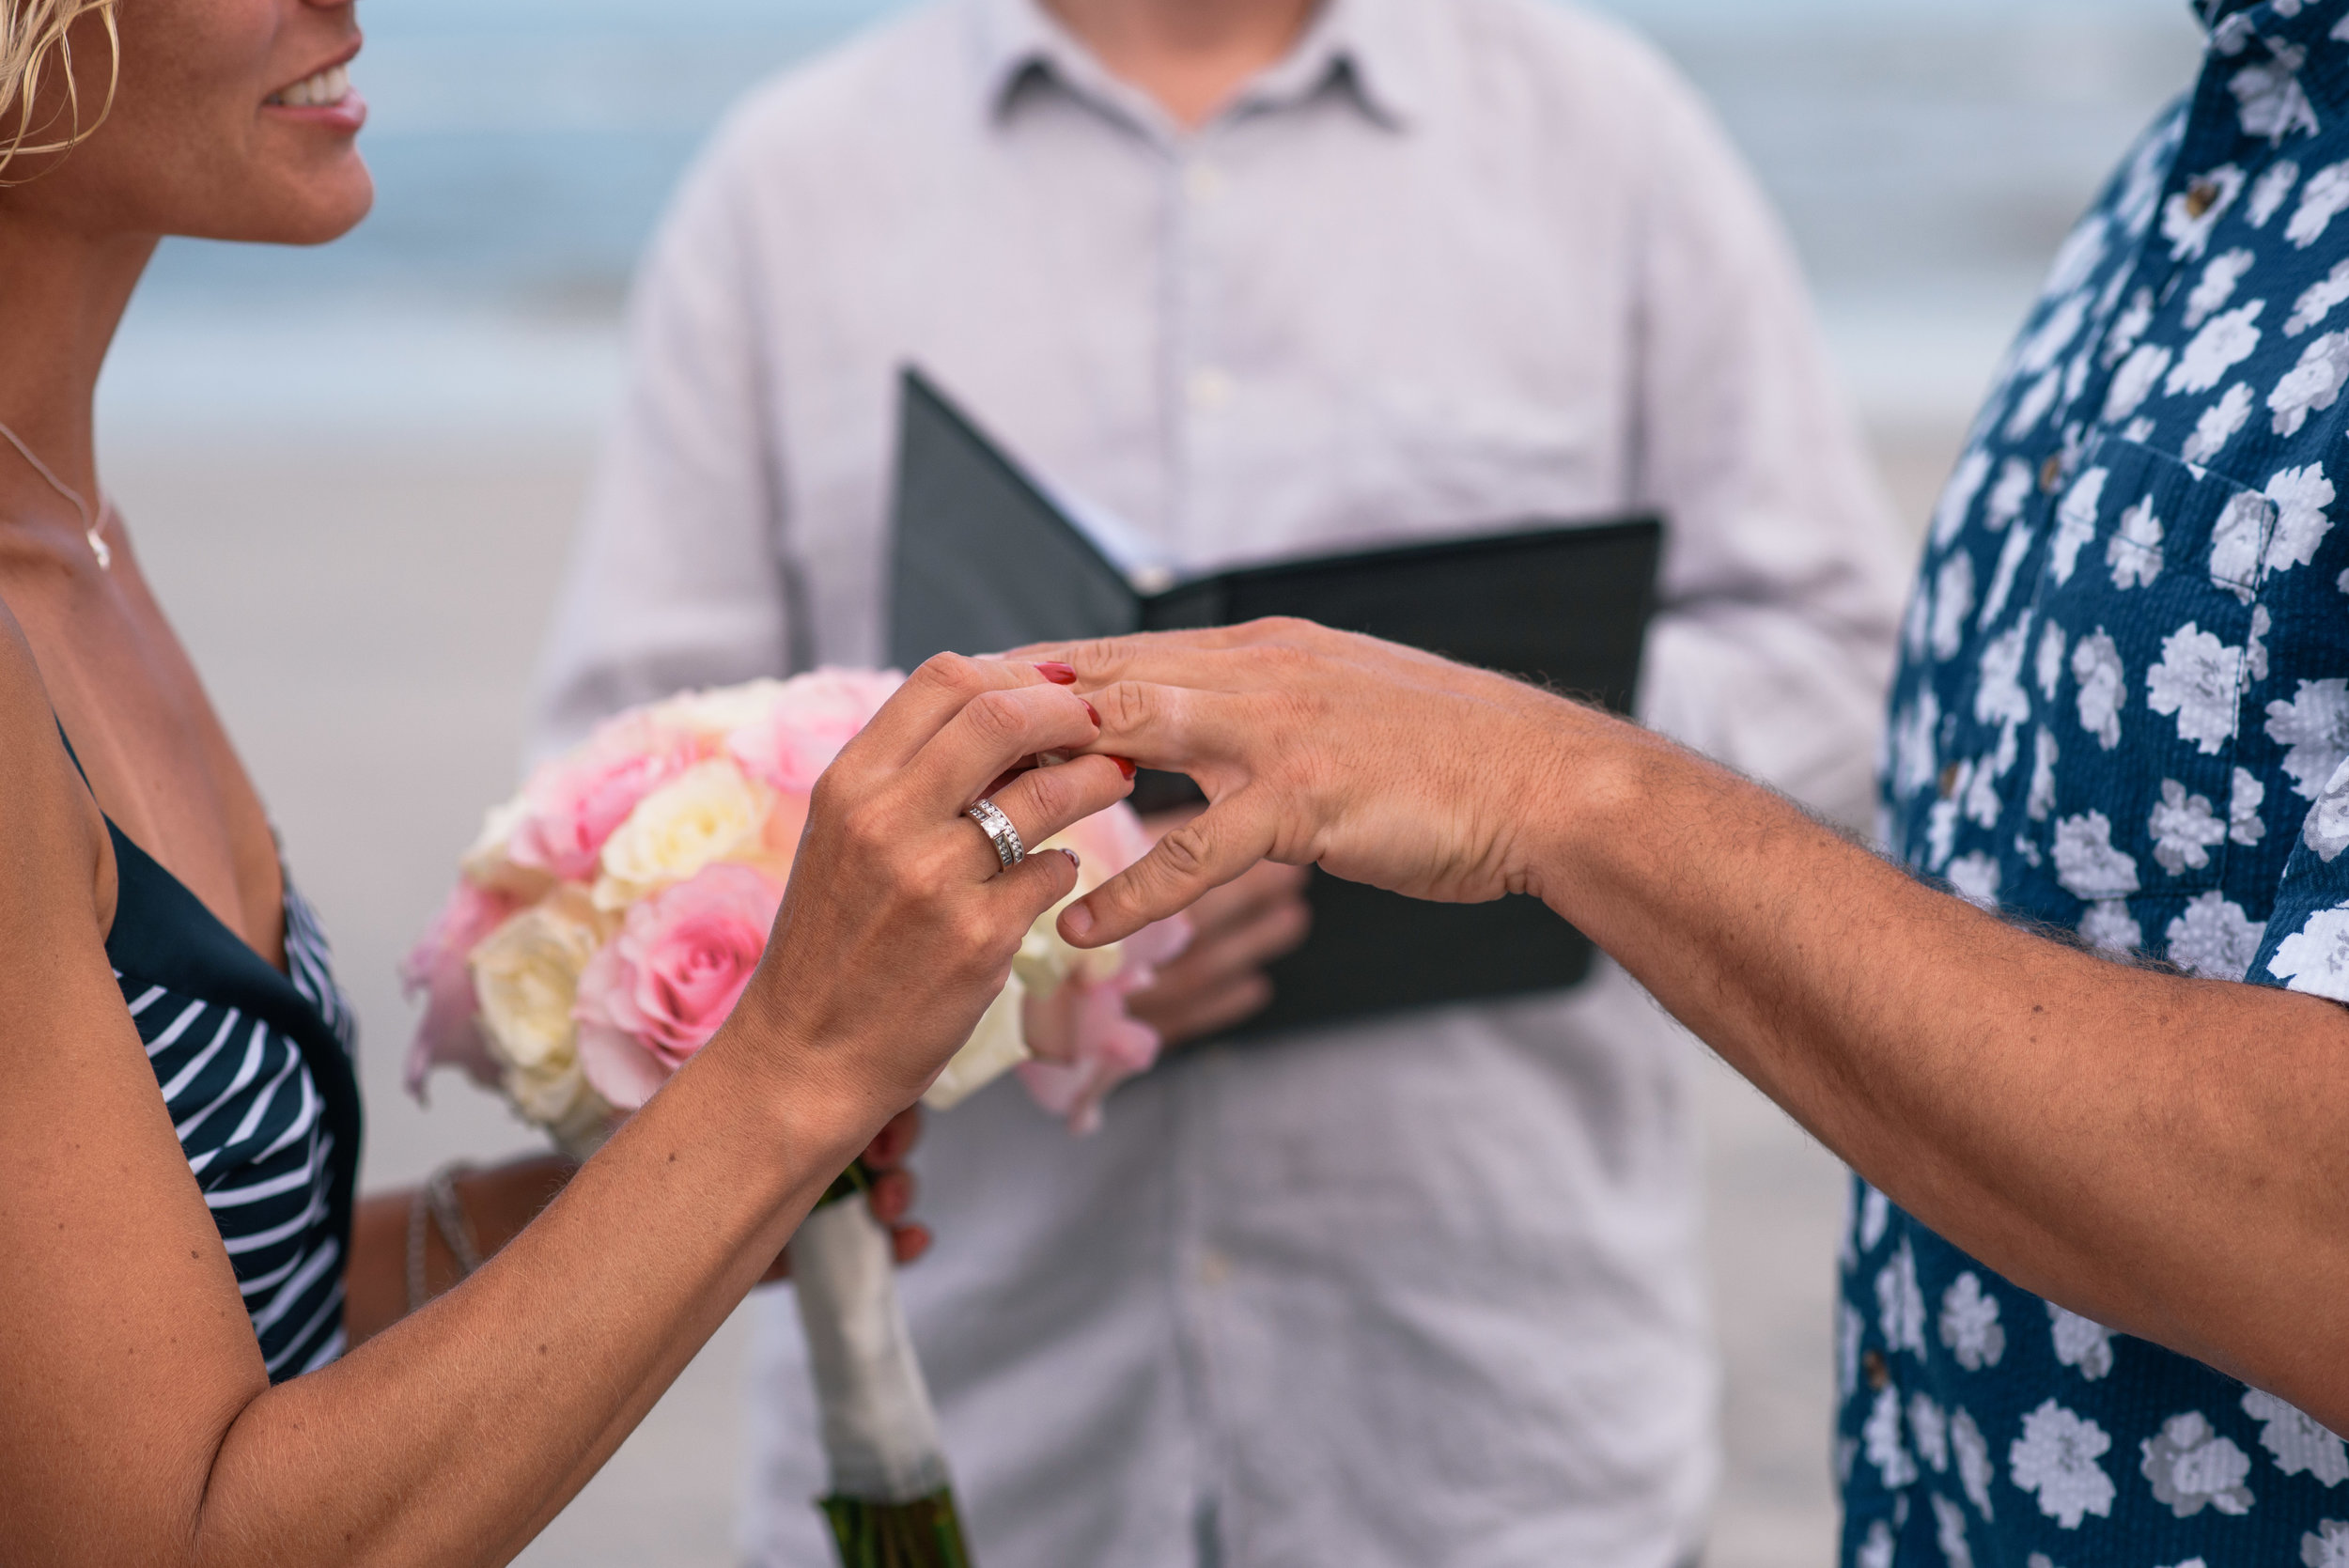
1260 279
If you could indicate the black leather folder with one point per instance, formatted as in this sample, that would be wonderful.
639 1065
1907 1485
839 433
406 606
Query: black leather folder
984 557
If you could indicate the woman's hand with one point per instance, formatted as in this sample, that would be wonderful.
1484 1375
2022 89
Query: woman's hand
900 923
1377 763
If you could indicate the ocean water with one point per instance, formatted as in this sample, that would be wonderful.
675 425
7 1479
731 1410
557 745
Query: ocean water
1927 155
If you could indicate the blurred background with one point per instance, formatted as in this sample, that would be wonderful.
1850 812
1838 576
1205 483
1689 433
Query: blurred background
373 454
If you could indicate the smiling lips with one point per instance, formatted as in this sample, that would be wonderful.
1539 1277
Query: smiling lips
328 87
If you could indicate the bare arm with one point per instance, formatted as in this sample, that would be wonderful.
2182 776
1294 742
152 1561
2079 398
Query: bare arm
2166 1155
140 1427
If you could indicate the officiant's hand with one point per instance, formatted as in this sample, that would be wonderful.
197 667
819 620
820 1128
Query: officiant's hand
1237 929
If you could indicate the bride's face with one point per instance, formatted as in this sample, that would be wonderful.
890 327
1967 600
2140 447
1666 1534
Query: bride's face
233 119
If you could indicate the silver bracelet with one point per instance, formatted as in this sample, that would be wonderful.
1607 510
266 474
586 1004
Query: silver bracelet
437 1201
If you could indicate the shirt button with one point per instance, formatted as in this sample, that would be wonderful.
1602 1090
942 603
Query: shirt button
1878 1374
1202 182
1949 780
1215 1269
1210 389
2051 472
2198 196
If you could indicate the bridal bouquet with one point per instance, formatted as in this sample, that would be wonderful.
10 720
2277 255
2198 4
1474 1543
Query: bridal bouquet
606 921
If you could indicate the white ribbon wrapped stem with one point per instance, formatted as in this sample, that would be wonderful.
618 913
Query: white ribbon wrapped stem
880 1431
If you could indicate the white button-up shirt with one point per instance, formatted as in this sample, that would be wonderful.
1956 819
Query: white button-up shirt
1414 1292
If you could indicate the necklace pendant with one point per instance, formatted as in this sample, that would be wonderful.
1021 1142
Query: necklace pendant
98 547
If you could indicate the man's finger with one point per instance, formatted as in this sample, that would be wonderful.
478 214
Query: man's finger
1207 1013
1206 852
930 699
1217 959
995 730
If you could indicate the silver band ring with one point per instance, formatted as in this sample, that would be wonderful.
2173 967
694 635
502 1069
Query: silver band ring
999 832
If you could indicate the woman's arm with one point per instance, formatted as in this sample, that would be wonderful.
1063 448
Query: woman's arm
2166 1155
140 1427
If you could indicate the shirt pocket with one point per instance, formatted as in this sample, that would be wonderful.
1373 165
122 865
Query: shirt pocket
2143 641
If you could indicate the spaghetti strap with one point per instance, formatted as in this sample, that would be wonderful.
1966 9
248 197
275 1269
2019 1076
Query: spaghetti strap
71 755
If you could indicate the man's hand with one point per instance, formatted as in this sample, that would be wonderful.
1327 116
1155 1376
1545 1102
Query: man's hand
1237 929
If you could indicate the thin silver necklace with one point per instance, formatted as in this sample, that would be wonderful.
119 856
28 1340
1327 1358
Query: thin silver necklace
91 526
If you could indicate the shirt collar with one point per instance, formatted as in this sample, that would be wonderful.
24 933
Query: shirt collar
1366 47
2310 38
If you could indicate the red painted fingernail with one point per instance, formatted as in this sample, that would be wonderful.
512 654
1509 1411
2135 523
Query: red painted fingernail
1125 765
1092 714
1058 673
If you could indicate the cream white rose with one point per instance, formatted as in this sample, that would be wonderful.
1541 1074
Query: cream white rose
526 974
995 1047
708 813
490 864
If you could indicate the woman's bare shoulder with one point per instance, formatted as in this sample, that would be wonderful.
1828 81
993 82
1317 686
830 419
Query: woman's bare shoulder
52 826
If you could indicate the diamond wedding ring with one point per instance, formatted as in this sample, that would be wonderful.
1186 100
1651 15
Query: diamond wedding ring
999 832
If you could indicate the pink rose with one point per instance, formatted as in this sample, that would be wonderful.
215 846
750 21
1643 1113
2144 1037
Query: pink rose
813 716
657 992
576 801
449 1033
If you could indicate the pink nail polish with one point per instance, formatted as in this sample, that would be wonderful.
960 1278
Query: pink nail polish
1057 672
1092 713
1125 765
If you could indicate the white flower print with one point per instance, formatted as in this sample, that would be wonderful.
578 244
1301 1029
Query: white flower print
1914 763
2009 495
2312 385
2002 579
2296 1441
2120 337
2087 863
2055 1457
2317 301
2325 830
1929 1429
2076 258
2039 1560
2314 725
2075 523
1975 878
2217 285
2192 1467
1973 1454
2301 495
1941 825
1875 1215
1969 1323
2255 650
2184 829
2198 678
2080 1341
1952 601
2110 928
1881 1440
1949 1533
1982 800
1875 1551
1999 697
2139 429
1920 612
2215 939
1849 1325
2271 103
2096 665
2136 379
1957 496
2032 406
2243 809
2268 193
2316 959
2048 662
2053 334
1900 1304
2237 540
2041 799
2225 341
2219 425
2321 200
2328 1545
2187 222
2134 552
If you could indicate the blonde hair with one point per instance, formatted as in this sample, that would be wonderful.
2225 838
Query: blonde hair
33 43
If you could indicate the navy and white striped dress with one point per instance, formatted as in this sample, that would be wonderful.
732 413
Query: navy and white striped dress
255 1069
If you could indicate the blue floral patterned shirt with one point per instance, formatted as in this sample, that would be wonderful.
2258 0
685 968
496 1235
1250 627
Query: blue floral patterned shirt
2124 707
